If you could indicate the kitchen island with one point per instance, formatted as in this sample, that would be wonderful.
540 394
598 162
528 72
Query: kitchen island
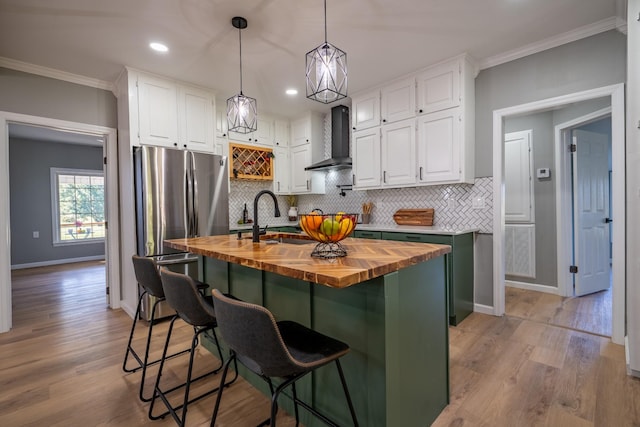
386 299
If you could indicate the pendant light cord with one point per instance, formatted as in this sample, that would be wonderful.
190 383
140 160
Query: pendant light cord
325 21
240 39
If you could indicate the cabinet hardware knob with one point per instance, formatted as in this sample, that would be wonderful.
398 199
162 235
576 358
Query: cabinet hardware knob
384 176
354 128
420 173
175 144
384 120
420 110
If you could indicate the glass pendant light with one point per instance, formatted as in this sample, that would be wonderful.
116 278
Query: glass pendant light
242 111
326 70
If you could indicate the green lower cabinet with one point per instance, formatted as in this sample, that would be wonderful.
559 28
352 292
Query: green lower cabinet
459 268
396 326
361 234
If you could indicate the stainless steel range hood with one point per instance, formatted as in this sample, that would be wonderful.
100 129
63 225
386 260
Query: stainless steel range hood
339 142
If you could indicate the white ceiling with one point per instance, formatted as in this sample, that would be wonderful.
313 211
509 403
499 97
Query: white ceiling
383 39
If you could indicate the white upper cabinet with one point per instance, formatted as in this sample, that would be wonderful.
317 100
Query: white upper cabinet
427 129
399 154
365 111
439 145
281 133
222 124
302 181
398 101
300 132
264 134
158 112
171 114
439 87
196 119
281 170
366 158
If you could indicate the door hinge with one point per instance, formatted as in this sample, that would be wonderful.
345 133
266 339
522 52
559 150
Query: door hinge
104 160
573 148
108 290
106 225
573 269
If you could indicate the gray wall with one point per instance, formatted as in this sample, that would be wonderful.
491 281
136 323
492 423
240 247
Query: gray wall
585 64
45 97
30 192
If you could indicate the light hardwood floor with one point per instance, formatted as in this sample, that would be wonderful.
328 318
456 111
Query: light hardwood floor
61 366
590 313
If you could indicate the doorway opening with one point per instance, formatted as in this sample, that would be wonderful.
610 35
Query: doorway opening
563 285
109 150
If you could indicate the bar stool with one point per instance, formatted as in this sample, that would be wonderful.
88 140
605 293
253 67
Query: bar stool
182 295
282 349
148 277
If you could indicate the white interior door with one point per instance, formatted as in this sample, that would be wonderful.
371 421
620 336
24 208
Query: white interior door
591 211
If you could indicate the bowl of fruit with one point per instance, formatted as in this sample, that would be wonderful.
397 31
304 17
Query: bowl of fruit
328 230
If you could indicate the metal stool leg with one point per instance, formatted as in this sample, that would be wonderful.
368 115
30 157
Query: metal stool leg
130 349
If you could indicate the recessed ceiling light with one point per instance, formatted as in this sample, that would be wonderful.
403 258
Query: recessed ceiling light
158 47
291 92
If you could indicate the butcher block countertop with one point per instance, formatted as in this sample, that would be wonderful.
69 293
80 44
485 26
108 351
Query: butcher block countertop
366 258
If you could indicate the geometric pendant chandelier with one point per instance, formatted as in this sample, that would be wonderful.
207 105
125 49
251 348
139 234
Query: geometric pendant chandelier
242 111
326 69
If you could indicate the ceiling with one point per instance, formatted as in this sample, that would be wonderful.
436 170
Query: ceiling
383 39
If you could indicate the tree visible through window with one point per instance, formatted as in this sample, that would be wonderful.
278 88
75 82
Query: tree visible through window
78 205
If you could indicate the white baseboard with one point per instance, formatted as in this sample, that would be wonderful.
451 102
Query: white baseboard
484 309
532 287
56 262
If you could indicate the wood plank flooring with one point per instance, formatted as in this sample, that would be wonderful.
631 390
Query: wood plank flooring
590 313
61 366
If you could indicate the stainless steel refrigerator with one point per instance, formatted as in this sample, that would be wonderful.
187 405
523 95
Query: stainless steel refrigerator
178 194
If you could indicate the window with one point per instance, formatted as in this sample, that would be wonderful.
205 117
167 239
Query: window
78 206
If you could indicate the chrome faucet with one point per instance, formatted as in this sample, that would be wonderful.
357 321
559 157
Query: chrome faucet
256 227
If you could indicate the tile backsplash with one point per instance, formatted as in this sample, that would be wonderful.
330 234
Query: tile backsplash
456 205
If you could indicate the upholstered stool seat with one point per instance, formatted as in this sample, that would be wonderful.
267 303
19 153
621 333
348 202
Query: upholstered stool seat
271 349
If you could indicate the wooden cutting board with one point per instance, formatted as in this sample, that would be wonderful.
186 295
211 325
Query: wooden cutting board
414 216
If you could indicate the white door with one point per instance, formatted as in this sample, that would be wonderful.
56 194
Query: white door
591 211
399 153
518 177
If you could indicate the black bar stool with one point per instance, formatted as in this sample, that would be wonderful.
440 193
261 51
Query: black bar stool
182 295
148 277
282 349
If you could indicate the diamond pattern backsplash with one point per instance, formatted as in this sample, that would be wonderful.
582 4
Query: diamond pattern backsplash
453 204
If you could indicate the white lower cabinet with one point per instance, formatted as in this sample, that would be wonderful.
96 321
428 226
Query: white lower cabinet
439 145
399 153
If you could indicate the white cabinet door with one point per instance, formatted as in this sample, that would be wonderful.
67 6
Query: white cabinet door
264 133
300 132
518 177
399 153
281 169
366 158
281 129
222 125
196 119
300 178
439 144
399 101
439 87
158 114
365 111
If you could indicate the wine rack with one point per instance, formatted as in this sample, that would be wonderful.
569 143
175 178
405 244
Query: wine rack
250 162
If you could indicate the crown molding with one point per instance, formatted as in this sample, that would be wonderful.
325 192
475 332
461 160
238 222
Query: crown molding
612 23
55 74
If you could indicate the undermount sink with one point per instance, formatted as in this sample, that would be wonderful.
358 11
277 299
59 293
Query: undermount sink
292 239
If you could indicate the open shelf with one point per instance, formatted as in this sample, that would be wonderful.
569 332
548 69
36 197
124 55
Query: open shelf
250 163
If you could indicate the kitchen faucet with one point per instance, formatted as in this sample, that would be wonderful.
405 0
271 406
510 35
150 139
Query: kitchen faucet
256 227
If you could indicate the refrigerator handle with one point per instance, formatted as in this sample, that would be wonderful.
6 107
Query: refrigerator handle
193 215
188 194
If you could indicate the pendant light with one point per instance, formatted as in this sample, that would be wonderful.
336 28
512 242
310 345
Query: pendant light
242 111
326 70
